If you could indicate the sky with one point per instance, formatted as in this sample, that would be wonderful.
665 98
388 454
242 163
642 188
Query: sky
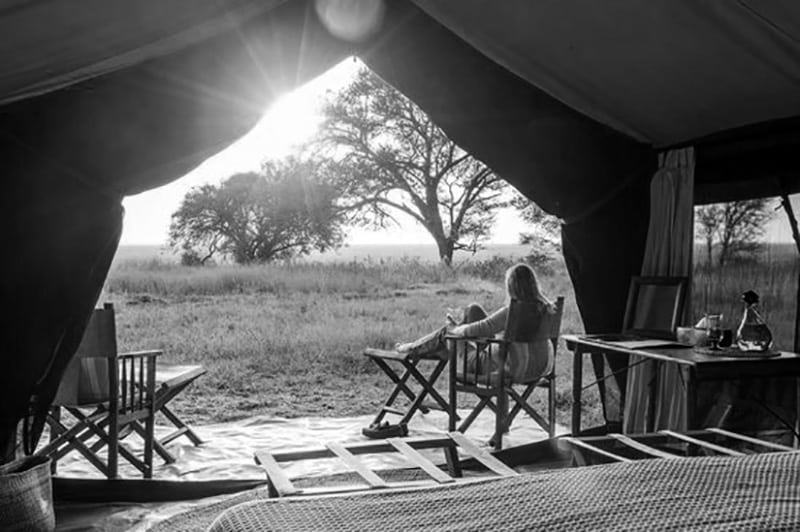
288 122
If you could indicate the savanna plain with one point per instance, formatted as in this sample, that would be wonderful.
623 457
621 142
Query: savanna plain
286 339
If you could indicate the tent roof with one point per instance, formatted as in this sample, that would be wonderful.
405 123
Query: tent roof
49 45
663 72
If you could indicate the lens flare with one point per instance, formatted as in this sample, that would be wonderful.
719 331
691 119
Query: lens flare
351 20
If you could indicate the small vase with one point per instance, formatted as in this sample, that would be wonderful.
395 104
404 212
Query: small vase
753 333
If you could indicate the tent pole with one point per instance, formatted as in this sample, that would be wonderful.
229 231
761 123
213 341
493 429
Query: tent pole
787 206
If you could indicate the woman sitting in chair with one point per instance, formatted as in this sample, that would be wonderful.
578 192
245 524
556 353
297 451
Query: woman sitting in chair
525 361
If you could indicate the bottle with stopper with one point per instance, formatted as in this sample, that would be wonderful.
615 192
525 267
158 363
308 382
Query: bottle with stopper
753 333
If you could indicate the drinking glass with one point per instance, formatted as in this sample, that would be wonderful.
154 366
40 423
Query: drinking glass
714 330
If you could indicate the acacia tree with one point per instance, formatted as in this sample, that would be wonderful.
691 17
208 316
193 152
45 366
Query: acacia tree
388 157
283 212
735 227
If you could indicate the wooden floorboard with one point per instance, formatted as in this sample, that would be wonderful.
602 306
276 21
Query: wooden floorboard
420 461
482 456
597 450
276 474
646 449
754 441
356 465
701 443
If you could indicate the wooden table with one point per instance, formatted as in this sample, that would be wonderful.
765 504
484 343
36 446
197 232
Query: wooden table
699 367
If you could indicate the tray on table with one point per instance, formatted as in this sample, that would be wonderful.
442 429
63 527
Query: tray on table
735 352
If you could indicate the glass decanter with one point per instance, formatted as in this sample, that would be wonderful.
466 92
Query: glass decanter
753 333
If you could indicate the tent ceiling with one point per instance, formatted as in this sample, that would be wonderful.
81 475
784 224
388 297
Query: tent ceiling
661 71
52 44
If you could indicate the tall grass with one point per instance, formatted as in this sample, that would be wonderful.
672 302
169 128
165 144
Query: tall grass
161 278
719 289
287 339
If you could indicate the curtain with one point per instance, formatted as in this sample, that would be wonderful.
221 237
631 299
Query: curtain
668 252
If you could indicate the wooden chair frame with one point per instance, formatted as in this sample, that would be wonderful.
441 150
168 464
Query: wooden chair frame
166 391
128 404
497 393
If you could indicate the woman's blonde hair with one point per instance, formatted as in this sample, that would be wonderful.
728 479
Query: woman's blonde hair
521 284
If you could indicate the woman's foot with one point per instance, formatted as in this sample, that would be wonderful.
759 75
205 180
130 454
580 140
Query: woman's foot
385 430
402 347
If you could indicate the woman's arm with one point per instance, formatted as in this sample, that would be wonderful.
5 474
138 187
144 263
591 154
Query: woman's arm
488 326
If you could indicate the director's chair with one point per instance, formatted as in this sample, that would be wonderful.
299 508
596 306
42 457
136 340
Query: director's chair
104 395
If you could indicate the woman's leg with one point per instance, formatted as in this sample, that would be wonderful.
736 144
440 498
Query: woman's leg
434 339
473 312
431 342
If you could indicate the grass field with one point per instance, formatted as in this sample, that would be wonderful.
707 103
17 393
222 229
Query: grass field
286 339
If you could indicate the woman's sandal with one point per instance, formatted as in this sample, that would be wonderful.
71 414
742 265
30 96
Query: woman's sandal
385 430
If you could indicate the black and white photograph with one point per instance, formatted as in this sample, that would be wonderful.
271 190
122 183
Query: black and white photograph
400 265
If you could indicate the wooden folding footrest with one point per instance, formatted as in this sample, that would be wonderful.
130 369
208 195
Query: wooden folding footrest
666 444
281 486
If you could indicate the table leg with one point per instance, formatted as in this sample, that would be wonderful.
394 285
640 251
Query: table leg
691 399
654 390
451 407
796 439
577 384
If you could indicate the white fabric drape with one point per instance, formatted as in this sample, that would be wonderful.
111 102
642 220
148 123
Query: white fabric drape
668 252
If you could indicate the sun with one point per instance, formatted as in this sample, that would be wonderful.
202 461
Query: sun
291 120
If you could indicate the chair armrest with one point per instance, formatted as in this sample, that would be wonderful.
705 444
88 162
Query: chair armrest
479 339
141 354
170 376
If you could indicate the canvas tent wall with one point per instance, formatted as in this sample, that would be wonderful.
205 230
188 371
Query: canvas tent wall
570 102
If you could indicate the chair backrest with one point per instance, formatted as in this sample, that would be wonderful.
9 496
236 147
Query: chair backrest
86 380
521 316
655 306
100 337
